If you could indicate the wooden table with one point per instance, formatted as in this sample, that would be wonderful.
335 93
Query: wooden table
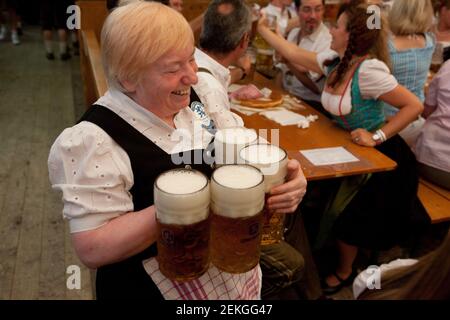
322 133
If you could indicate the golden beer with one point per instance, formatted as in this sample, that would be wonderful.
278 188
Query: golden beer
182 213
272 161
237 201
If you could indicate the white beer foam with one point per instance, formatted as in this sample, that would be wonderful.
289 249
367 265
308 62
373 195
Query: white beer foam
181 181
262 153
238 135
181 197
270 159
228 142
238 177
237 191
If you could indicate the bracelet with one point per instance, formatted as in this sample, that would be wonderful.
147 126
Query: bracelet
382 134
379 136
244 74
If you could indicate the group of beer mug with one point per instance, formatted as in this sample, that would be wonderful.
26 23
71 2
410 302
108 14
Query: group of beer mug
222 221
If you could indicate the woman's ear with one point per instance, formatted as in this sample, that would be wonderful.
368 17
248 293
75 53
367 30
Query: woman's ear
129 86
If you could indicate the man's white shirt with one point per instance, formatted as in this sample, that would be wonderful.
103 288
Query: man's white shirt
318 41
212 89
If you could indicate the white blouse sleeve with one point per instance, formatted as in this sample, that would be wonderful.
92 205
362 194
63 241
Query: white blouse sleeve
222 116
217 105
324 56
375 79
94 175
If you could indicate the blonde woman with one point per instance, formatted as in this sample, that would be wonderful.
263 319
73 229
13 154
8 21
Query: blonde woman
106 164
411 48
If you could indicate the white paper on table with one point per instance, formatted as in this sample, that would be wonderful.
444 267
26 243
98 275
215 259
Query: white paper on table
284 117
327 156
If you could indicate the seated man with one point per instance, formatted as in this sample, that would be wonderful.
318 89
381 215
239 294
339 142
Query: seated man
224 39
312 35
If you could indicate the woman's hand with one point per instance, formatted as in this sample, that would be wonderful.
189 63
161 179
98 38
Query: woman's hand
286 197
363 138
262 22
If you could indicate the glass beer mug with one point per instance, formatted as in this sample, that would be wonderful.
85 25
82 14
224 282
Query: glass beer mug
272 161
237 202
228 142
264 51
182 199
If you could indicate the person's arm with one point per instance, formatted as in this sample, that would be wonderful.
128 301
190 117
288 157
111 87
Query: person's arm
303 77
288 50
236 74
120 238
242 68
409 105
286 197
292 23
410 108
111 232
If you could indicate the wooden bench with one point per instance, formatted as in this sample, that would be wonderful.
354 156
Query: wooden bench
93 14
94 63
436 201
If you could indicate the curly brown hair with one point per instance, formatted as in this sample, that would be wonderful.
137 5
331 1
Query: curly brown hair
363 41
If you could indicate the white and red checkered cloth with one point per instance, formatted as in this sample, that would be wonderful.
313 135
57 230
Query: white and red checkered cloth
214 284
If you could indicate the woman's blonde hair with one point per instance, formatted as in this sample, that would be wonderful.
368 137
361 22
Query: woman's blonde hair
136 35
410 17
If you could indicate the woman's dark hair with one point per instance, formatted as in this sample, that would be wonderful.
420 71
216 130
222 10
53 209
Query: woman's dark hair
363 40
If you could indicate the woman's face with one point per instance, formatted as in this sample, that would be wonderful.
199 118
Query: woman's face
340 34
165 86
